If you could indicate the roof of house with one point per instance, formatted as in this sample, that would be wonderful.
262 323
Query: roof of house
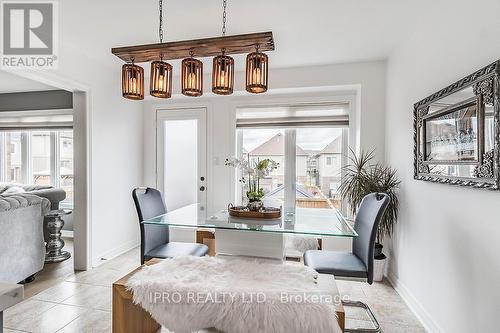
334 147
275 146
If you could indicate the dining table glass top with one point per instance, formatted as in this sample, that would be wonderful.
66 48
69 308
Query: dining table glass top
305 221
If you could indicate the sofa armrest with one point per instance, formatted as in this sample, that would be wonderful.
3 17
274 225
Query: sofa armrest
54 195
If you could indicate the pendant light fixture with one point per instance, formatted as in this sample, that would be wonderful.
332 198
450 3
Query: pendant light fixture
257 72
161 72
192 76
132 81
223 66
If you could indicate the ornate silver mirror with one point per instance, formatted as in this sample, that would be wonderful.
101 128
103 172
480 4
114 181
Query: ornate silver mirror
457 132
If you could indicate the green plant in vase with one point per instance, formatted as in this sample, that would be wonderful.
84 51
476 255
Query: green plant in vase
252 171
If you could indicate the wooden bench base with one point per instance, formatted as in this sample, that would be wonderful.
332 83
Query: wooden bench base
132 318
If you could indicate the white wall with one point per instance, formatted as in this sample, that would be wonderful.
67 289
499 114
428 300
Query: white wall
320 83
445 252
115 135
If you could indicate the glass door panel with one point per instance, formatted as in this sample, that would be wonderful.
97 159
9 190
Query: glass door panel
181 157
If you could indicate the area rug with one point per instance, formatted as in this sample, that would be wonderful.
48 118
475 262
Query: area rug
187 294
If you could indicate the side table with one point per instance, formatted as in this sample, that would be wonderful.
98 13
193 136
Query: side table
55 244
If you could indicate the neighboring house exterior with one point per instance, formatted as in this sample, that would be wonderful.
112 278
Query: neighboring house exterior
330 166
274 149
318 172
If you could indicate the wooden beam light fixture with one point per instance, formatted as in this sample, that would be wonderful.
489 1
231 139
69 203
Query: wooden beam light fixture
253 44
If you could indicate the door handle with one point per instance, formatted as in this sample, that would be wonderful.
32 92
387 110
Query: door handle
202 188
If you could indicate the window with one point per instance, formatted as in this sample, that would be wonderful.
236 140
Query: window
42 157
309 147
65 173
315 181
11 157
262 143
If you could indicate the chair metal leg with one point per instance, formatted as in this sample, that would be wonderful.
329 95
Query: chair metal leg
374 320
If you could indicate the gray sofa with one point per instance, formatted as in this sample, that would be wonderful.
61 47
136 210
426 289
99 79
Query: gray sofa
22 247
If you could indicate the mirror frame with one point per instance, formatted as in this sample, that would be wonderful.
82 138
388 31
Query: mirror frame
485 84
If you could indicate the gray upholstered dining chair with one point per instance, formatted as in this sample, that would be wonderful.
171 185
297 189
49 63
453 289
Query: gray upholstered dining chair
155 240
358 264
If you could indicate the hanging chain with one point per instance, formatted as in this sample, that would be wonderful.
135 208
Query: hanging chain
224 5
160 29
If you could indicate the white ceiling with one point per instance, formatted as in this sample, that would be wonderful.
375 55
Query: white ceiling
306 32
10 83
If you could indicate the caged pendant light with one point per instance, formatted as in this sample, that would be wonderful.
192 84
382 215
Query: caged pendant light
192 76
132 81
223 75
223 66
161 79
257 72
161 72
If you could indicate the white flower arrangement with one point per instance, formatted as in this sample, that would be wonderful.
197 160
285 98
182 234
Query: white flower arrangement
252 172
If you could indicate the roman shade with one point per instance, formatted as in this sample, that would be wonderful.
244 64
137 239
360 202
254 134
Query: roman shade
36 120
300 115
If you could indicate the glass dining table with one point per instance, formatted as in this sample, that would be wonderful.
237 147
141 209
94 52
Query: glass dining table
305 221
261 238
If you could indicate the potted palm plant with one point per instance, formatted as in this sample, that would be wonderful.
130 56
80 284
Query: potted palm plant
362 177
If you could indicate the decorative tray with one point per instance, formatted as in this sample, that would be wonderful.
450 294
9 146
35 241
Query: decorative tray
267 213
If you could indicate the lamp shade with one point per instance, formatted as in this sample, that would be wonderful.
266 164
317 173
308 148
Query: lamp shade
257 72
161 79
192 77
132 81
223 75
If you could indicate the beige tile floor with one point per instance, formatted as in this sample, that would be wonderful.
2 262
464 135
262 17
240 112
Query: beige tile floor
61 300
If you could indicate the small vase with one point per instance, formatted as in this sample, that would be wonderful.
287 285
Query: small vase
255 206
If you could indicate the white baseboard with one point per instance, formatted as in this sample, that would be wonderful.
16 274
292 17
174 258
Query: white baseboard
67 233
415 306
108 255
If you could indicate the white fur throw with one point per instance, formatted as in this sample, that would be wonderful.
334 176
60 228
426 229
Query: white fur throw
187 294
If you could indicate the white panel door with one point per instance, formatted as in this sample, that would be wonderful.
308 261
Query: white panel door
181 157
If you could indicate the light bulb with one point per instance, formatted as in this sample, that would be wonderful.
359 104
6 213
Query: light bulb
256 75
133 84
223 78
191 80
161 80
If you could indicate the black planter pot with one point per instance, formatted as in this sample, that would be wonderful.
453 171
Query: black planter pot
378 250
